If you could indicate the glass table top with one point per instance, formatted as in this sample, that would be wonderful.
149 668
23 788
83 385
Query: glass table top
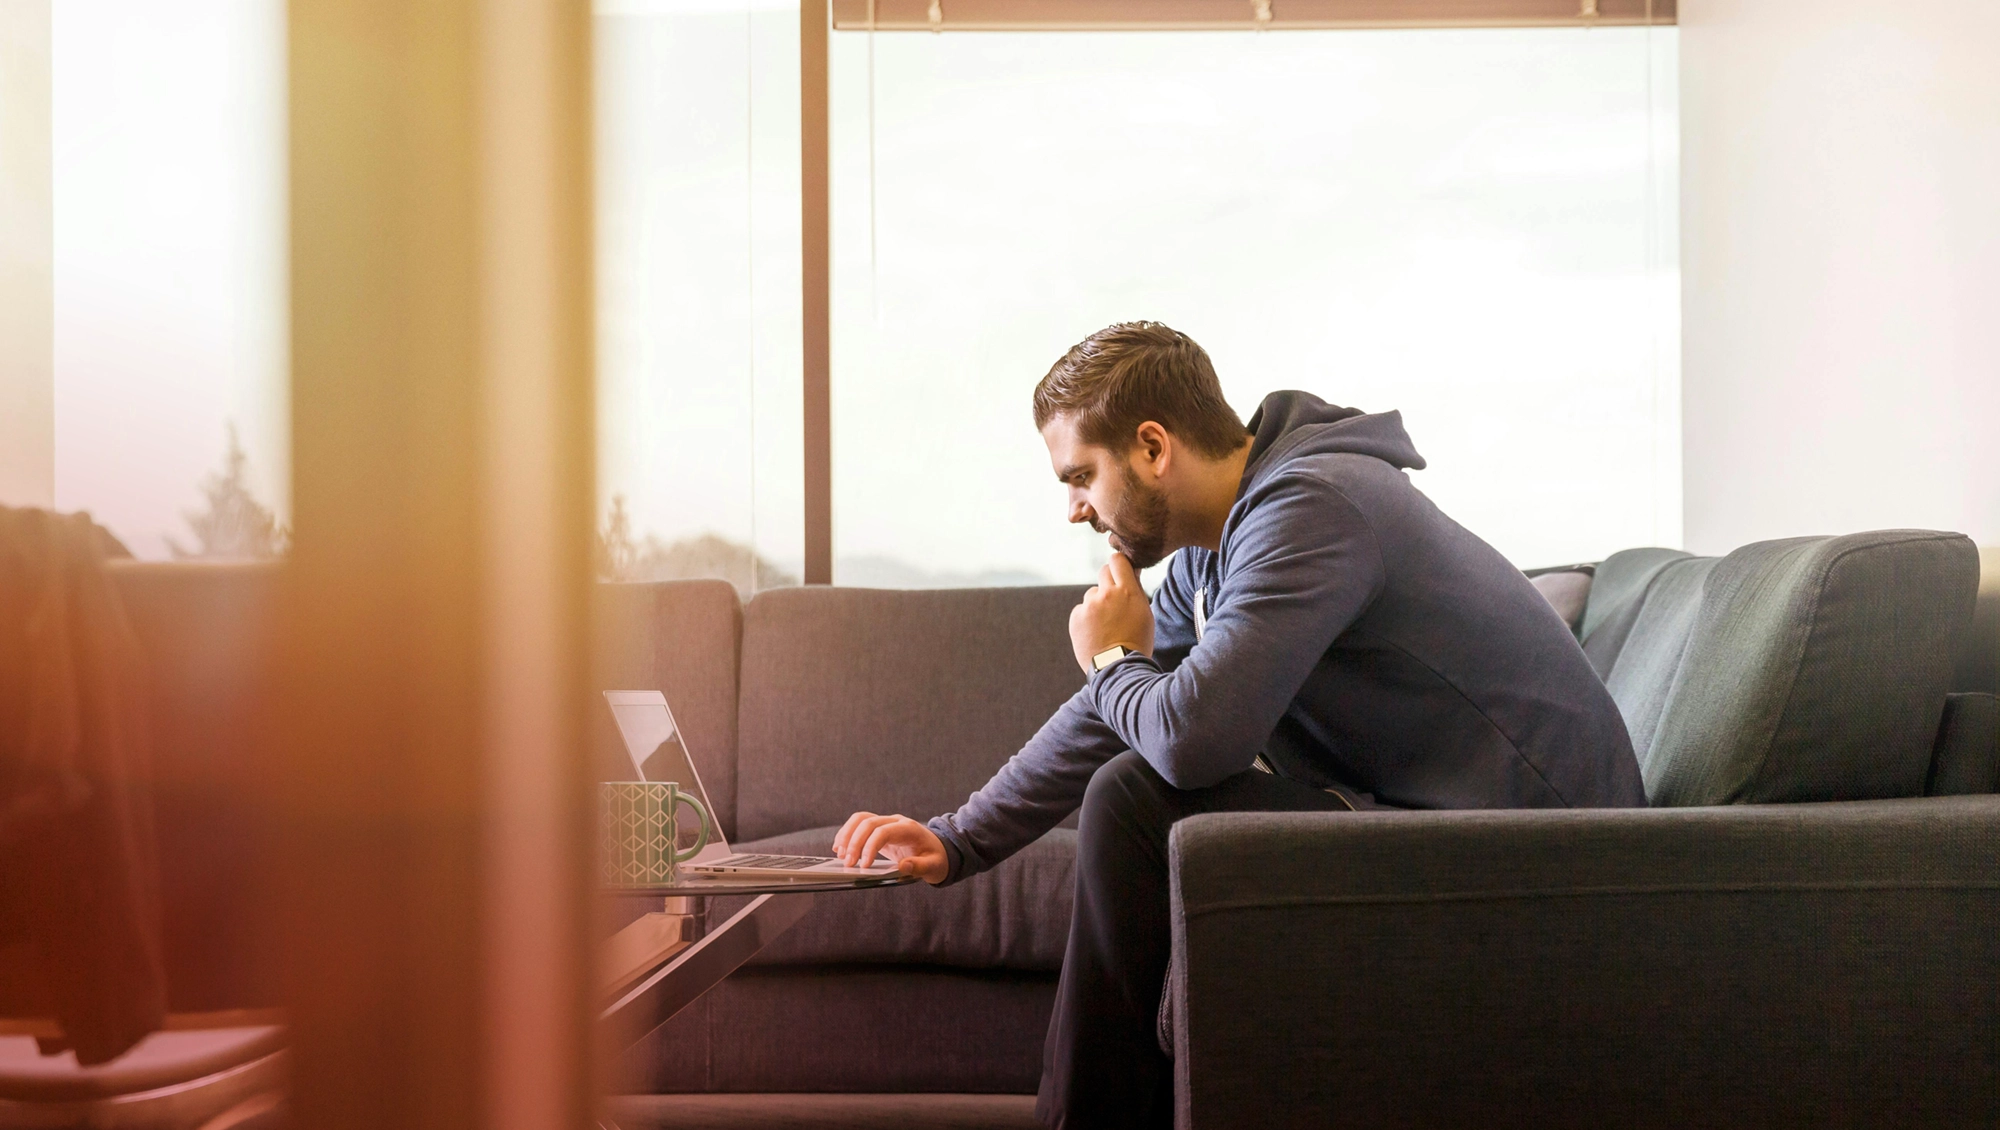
690 887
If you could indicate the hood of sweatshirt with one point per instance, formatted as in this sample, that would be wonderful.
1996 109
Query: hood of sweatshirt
1289 425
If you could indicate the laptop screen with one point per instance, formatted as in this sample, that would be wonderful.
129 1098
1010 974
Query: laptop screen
654 744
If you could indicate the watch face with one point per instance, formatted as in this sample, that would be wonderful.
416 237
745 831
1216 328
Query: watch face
1107 657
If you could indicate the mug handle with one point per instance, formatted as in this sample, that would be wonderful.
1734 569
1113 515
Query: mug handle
701 838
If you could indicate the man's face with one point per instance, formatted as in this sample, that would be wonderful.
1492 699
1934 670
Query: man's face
1106 490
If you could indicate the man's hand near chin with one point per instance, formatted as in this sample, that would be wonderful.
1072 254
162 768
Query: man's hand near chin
914 849
1114 614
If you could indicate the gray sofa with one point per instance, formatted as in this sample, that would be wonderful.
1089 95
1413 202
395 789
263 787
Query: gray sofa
1832 959
798 708
1797 935
1812 672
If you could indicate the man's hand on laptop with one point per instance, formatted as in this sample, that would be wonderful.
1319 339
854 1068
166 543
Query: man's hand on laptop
1117 613
914 849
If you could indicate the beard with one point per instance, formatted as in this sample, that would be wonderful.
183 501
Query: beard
1139 529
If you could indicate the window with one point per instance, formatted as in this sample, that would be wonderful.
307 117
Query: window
699 464
168 184
1472 226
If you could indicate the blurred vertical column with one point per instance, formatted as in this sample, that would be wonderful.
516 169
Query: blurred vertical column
816 257
431 783
27 259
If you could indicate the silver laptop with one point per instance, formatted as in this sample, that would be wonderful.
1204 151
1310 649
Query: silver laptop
658 754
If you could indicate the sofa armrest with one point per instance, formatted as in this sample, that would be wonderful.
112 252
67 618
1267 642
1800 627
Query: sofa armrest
1804 964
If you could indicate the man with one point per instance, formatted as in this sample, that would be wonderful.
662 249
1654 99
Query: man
1327 640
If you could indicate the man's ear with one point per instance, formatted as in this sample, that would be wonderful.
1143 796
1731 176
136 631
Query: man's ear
1156 446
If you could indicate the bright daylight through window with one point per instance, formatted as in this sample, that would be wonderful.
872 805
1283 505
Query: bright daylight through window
168 182
1472 226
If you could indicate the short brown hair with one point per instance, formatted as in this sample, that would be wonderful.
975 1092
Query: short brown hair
1124 375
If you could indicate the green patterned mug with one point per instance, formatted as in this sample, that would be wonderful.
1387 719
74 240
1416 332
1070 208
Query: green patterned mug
636 832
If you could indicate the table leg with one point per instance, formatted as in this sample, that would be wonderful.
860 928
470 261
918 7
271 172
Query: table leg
689 906
645 944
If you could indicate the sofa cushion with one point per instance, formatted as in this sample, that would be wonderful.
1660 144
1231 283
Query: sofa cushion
1566 590
1966 758
891 701
1617 593
1015 916
1814 669
683 639
854 1028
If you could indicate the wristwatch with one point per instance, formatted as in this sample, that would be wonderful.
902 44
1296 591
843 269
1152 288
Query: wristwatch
1108 656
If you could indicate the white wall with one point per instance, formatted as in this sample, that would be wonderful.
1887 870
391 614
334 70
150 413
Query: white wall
1840 252
27 318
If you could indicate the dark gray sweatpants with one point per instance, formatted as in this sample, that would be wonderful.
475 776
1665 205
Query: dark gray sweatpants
1102 1066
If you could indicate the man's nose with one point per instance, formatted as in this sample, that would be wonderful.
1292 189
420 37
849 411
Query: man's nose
1079 511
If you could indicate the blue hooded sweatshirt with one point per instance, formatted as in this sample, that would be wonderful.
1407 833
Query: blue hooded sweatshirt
1350 633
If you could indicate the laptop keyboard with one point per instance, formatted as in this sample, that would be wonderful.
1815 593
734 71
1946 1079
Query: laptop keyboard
775 862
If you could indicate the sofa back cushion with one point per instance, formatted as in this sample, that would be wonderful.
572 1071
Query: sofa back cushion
1797 670
1966 758
1979 660
683 639
1617 593
1566 590
1653 640
891 701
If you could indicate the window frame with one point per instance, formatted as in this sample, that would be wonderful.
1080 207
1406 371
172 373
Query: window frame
1249 15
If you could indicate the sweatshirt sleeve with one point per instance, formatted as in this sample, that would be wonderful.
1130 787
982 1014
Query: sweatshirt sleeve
1032 793
1302 567
1045 782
